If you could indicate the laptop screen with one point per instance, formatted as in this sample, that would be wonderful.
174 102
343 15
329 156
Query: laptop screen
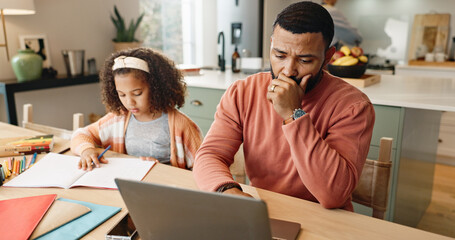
166 212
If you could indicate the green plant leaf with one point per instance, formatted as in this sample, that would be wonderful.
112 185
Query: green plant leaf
138 21
130 32
124 34
119 19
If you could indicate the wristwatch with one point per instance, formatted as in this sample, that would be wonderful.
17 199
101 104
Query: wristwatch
229 186
296 114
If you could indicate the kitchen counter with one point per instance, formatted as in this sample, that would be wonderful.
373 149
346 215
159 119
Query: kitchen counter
399 91
413 92
408 109
425 71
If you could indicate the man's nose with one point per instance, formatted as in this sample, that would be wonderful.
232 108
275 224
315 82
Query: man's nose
290 68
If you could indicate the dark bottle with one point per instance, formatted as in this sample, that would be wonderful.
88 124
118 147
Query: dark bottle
452 50
235 61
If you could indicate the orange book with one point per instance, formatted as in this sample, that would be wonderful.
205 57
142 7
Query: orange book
20 216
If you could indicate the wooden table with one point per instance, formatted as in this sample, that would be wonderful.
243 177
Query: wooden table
317 222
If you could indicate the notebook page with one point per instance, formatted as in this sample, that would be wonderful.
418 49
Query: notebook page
53 170
126 168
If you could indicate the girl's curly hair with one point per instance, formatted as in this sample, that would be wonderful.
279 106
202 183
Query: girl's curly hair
167 88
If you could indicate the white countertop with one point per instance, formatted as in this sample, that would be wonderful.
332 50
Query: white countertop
425 68
214 79
413 92
400 91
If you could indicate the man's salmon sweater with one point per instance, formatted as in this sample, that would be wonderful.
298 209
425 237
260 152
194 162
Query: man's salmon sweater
318 157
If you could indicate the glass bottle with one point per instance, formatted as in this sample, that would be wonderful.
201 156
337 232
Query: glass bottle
452 50
235 61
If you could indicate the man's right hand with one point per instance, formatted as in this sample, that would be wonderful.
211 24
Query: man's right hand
286 95
89 156
238 192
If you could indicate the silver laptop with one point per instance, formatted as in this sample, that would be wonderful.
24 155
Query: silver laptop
165 212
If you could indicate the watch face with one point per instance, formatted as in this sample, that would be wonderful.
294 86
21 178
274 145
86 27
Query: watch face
298 113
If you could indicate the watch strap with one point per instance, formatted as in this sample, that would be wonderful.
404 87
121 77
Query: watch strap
288 120
227 186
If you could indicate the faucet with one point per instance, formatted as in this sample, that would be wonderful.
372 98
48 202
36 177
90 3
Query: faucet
221 61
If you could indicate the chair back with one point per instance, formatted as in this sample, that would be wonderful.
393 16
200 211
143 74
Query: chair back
373 186
27 122
237 168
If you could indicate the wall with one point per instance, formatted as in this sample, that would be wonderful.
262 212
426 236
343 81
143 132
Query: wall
206 33
70 24
247 12
271 9
371 16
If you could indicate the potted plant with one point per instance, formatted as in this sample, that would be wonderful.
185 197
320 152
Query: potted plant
125 36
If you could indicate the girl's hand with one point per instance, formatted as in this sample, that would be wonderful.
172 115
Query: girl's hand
89 159
148 159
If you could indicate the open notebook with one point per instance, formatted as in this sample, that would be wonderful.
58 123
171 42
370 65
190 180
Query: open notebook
57 170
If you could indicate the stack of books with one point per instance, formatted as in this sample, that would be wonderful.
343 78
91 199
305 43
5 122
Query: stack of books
38 144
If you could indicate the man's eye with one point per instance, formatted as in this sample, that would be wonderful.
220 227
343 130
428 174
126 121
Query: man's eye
138 94
279 56
305 61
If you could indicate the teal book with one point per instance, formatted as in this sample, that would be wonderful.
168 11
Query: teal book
80 226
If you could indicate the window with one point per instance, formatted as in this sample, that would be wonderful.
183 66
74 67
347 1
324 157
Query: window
169 26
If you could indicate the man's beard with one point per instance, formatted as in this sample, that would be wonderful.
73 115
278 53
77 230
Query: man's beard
312 82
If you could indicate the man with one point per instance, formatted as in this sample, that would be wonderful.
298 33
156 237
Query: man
345 33
305 133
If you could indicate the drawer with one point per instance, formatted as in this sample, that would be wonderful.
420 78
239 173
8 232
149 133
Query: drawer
202 102
446 145
388 123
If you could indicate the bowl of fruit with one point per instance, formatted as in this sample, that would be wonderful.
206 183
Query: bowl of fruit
348 63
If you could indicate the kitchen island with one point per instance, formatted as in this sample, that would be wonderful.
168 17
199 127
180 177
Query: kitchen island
408 109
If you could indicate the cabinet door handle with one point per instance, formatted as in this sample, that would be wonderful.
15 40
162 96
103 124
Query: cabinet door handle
196 103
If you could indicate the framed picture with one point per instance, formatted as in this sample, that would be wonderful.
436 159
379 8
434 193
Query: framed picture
37 43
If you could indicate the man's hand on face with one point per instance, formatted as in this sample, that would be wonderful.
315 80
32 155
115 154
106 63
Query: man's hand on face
285 95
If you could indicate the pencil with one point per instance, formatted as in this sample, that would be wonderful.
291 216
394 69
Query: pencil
6 168
14 166
8 172
33 159
10 164
105 150
23 164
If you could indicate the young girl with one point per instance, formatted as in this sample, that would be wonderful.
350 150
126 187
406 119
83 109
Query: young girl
141 90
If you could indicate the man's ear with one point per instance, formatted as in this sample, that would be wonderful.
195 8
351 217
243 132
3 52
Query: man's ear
328 55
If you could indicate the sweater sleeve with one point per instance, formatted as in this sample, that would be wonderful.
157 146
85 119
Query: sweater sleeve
86 137
187 138
192 140
331 167
216 154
